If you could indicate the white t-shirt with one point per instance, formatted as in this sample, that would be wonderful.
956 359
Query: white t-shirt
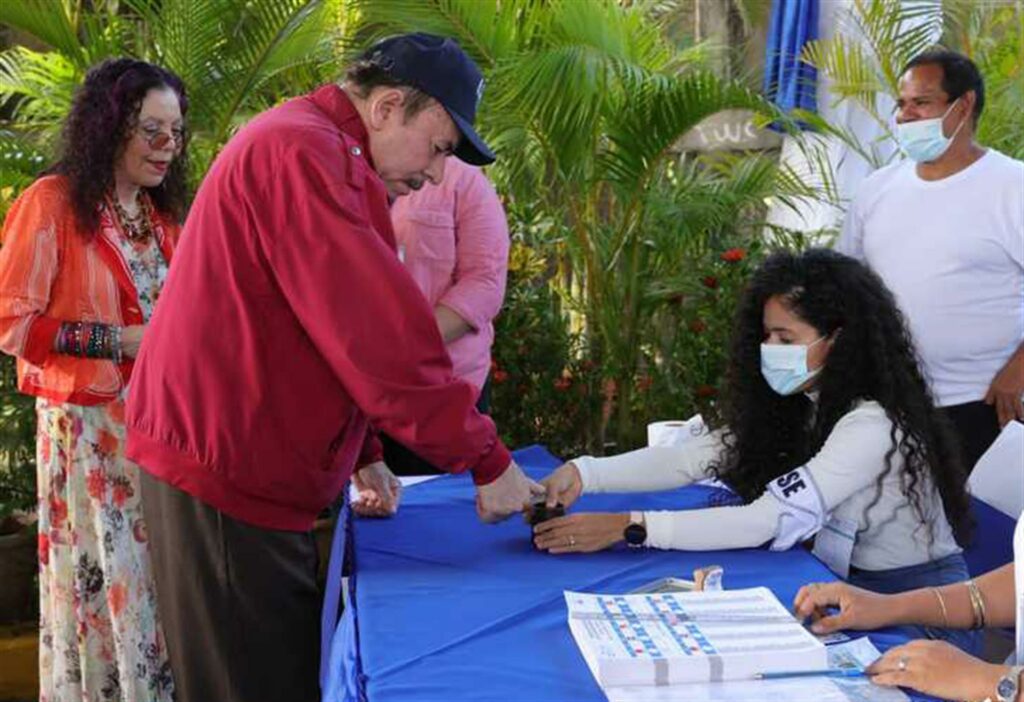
952 252
844 472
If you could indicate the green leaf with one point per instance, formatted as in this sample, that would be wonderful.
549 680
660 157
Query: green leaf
49 21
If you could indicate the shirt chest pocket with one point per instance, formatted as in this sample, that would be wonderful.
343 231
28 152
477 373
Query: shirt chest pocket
433 236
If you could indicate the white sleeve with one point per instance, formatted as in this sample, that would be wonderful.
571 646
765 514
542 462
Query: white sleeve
853 455
851 460
715 528
652 468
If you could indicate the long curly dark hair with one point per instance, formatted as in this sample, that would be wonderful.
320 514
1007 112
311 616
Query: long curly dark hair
872 358
103 115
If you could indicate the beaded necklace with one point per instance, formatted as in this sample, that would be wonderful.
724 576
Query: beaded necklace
137 229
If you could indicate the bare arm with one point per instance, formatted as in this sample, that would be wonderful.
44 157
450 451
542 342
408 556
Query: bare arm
452 326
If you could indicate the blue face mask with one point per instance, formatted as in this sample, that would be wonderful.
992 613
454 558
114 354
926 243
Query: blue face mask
923 140
784 366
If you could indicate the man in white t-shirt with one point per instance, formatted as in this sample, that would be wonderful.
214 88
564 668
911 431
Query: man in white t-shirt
945 231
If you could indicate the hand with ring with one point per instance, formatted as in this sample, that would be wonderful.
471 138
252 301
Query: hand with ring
580 533
937 668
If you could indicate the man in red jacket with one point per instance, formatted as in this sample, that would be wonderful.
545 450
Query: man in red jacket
288 331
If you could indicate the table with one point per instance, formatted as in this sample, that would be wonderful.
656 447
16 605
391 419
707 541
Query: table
443 608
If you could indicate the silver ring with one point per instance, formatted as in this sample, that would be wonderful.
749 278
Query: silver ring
572 540
902 664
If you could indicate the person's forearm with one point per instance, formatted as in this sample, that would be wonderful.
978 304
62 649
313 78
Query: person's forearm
998 590
88 340
452 326
1018 355
925 606
647 469
714 528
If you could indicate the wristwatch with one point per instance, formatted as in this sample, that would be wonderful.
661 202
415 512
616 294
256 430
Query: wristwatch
635 532
1009 685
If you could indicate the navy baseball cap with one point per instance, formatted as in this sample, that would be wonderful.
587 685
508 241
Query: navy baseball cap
440 68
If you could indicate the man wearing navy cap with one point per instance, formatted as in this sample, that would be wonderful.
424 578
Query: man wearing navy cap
288 332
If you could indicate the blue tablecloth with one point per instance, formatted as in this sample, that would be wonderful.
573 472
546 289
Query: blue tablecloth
446 609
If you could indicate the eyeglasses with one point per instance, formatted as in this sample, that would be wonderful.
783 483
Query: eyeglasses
159 140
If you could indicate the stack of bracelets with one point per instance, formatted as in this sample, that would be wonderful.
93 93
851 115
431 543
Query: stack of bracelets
977 605
89 340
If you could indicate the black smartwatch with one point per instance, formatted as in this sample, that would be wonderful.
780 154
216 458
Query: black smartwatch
635 532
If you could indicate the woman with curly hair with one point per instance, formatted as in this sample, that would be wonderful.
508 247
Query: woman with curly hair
85 253
829 433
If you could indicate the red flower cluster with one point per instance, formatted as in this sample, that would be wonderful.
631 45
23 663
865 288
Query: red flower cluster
44 549
733 255
563 384
697 326
58 512
644 383
95 484
710 281
121 492
499 376
706 391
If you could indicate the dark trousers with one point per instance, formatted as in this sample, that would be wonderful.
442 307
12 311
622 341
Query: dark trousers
977 426
402 461
239 604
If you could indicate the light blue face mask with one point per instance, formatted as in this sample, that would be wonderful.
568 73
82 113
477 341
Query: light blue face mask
784 366
923 140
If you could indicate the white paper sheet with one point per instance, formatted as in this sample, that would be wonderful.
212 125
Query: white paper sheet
683 637
860 652
998 477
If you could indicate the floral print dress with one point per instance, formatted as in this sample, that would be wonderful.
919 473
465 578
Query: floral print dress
99 634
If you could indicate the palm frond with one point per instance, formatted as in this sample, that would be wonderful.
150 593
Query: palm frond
22 160
487 30
50 22
185 36
874 43
38 86
261 39
853 73
653 116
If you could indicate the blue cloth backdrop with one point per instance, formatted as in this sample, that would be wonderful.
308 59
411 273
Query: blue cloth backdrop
788 81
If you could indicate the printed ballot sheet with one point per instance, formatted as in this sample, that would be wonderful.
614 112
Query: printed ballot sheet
857 654
664 639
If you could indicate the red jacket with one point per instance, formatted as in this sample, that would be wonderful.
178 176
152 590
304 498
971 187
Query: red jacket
288 326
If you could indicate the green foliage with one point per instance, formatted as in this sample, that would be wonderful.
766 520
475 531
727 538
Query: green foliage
231 54
863 62
992 34
585 102
17 445
611 320
545 389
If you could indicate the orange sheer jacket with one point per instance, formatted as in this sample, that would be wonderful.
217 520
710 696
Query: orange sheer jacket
51 272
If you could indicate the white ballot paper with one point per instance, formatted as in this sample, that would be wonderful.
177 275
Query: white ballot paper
859 653
689 637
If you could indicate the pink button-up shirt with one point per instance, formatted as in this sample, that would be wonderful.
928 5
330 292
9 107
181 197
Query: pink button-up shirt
453 238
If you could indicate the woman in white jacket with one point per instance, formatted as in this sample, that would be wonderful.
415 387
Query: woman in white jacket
829 433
